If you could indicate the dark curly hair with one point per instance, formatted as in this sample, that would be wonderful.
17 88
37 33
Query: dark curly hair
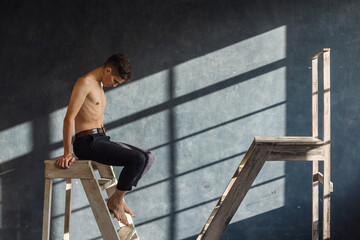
120 65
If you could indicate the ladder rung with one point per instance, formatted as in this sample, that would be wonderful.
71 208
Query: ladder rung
320 177
105 182
126 232
135 237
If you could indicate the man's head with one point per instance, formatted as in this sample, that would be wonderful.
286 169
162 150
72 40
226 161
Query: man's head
117 69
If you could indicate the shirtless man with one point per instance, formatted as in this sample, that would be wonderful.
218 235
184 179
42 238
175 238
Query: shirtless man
86 107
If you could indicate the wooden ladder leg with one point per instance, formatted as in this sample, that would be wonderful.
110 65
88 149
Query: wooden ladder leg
234 194
327 143
67 209
126 232
315 201
47 209
326 198
100 210
315 164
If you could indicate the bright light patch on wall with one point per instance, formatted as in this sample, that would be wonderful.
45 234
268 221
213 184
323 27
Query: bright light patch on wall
16 141
56 153
233 103
223 119
137 96
1 203
231 61
56 125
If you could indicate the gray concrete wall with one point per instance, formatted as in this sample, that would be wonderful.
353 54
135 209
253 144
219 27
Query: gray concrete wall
208 77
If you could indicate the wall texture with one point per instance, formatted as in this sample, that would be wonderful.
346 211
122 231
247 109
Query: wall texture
208 77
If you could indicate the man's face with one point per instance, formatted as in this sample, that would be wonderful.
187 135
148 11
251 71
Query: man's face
110 80
115 80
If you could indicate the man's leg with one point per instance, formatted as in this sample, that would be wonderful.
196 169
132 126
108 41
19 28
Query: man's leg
149 159
117 205
110 153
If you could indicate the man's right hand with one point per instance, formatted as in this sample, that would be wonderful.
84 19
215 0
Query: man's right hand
65 161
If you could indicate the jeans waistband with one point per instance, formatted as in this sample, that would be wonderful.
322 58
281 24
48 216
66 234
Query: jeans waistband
90 131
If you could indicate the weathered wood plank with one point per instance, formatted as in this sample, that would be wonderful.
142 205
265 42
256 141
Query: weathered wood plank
79 169
320 177
106 171
135 237
100 210
320 53
106 183
293 152
126 232
213 213
315 134
315 99
315 202
67 209
47 209
326 131
289 140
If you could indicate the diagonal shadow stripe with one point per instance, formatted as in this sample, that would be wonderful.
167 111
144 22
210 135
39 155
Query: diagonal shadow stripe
221 124
187 172
197 94
59 144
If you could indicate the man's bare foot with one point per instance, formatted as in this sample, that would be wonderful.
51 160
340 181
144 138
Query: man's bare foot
117 205
127 209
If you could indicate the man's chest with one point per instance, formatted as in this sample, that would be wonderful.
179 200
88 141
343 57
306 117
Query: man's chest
96 99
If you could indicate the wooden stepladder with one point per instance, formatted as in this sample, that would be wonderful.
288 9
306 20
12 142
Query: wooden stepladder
93 186
283 149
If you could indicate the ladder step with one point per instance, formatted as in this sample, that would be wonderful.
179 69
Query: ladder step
320 177
126 232
106 183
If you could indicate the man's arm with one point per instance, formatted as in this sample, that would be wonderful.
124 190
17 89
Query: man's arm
78 96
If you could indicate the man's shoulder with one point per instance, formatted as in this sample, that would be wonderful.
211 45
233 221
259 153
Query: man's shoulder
84 85
84 80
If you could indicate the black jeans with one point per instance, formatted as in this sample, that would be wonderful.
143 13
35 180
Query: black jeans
99 148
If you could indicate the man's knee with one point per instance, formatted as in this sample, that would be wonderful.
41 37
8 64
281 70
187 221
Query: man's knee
151 157
140 160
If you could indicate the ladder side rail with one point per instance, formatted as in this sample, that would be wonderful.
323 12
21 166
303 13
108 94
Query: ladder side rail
315 104
47 209
235 196
315 134
67 208
327 143
99 207
106 171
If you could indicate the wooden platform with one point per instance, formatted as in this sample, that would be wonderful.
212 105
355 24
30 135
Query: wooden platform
262 149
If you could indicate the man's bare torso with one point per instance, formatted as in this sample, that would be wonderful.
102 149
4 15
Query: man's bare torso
91 113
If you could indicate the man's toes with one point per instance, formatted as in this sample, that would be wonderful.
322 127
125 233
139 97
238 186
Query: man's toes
124 221
129 211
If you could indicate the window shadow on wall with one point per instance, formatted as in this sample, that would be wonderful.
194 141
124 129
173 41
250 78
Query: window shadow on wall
51 59
178 32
